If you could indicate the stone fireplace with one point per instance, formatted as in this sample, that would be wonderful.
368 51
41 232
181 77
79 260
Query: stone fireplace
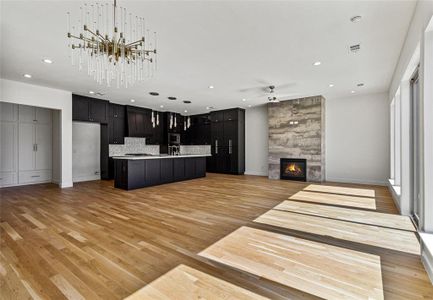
297 131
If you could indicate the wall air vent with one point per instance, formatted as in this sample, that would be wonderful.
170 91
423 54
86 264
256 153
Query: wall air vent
355 48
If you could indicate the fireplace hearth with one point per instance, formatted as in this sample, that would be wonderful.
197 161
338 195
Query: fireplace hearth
293 169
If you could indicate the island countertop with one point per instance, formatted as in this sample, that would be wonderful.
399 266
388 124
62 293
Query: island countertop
133 157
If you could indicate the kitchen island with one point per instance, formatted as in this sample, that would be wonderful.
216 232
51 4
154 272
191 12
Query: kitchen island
133 172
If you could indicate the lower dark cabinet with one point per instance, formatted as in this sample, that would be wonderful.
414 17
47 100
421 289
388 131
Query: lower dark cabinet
178 169
153 172
132 174
167 170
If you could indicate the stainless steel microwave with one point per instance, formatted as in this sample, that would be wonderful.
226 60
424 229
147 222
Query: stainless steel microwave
174 138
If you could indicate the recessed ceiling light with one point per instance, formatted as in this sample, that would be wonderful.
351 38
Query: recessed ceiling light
132 100
355 19
244 100
211 86
91 92
249 105
209 107
360 84
172 98
154 94
353 92
27 76
331 85
162 106
47 61
317 63
185 111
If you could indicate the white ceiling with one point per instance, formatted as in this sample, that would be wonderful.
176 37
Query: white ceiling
232 45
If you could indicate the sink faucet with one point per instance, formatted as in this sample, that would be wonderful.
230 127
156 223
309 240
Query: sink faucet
174 150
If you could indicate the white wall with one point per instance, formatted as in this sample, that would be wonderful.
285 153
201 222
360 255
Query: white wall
27 94
86 149
357 139
256 140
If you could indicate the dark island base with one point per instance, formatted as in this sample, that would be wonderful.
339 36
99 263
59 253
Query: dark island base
132 174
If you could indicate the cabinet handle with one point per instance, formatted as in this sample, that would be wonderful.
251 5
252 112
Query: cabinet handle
36 147
36 176
216 146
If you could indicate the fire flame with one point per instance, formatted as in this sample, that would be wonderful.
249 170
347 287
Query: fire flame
294 169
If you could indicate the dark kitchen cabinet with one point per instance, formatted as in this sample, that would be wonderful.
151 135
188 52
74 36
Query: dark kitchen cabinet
139 122
88 109
190 167
116 123
167 170
227 142
153 171
104 153
178 169
157 132
199 131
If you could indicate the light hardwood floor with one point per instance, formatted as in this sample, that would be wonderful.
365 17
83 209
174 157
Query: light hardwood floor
96 242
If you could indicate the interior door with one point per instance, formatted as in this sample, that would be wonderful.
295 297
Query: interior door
43 135
26 142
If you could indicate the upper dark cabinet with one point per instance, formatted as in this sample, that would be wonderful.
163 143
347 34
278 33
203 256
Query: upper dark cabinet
88 109
116 123
217 116
139 121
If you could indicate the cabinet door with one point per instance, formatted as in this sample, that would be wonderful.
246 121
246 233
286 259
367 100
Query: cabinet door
43 115
80 108
200 167
230 134
26 148
217 116
233 161
98 111
167 170
139 124
119 130
26 114
178 169
132 125
43 143
190 167
153 171
231 115
8 112
8 133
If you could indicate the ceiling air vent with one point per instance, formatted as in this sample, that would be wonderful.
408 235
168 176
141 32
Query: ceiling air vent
355 48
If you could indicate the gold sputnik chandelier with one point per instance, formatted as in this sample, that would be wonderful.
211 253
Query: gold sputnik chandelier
114 45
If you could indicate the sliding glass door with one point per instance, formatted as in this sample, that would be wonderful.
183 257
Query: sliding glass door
416 153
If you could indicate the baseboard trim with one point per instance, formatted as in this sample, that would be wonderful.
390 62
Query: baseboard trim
427 261
86 178
356 181
256 173
394 196
67 184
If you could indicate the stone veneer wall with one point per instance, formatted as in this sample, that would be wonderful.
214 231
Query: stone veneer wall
304 139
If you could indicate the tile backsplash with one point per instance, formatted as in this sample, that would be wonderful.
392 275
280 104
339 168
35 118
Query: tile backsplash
195 149
132 145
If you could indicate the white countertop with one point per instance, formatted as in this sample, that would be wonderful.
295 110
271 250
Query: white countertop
159 156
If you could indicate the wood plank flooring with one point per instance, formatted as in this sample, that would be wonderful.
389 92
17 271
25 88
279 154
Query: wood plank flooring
363 192
334 199
325 271
346 214
393 239
184 282
97 242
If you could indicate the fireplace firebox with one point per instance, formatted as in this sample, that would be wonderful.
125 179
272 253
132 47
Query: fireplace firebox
293 169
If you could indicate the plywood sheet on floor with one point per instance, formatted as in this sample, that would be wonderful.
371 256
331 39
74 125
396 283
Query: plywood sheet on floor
184 282
340 190
387 238
333 199
348 214
322 270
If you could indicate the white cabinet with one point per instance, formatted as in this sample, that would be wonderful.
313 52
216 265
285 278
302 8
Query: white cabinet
25 144
31 114
8 144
